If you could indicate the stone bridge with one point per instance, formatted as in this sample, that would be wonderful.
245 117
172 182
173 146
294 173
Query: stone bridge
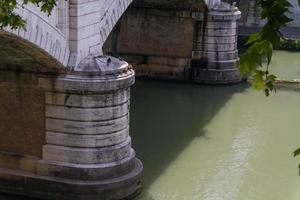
75 29
64 131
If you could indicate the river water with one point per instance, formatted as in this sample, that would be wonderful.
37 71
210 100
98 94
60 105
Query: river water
217 143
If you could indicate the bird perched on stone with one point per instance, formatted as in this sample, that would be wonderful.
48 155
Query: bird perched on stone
108 61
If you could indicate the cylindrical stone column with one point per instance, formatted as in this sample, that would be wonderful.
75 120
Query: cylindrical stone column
87 139
253 15
215 56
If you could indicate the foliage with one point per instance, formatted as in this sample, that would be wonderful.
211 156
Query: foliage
255 61
8 16
290 45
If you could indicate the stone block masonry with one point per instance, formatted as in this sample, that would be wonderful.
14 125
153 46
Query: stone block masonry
162 42
87 152
215 56
156 37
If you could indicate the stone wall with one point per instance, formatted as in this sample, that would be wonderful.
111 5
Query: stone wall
156 37
22 113
22 116
160 38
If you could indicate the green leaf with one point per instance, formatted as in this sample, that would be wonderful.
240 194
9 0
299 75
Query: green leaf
297 152
8 17
253 38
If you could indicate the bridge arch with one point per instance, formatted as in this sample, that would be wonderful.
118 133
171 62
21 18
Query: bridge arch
78 28
43 32
20 55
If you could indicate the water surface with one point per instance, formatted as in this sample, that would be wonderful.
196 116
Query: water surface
218 143
286 65
215 143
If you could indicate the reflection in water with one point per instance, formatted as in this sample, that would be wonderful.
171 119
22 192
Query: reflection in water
234 170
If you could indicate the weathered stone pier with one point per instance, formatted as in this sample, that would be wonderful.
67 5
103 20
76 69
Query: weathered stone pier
87 150
215 54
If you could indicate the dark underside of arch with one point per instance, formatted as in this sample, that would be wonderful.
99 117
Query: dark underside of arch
19 55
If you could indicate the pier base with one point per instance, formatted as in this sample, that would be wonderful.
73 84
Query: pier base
86 153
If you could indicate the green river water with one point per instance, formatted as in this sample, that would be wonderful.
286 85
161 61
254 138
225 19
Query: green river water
217 143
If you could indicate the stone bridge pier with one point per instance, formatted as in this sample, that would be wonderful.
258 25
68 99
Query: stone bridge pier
87 133
64 131
215 56
86 152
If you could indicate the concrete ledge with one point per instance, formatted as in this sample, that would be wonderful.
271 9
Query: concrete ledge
45 187
288 84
